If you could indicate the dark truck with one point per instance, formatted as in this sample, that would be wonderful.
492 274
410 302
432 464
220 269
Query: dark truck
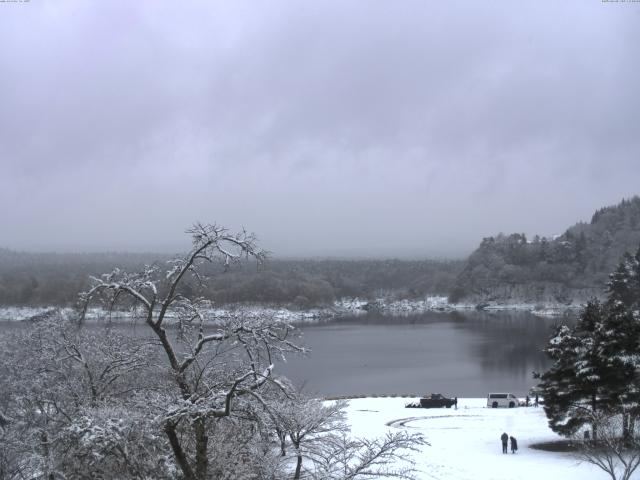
432 400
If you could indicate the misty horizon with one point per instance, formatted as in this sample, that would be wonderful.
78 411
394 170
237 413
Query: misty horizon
345 255
328 129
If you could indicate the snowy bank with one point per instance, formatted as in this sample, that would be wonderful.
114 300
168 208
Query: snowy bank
342 307
250 311
441 304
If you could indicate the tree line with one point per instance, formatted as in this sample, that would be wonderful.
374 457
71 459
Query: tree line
54 279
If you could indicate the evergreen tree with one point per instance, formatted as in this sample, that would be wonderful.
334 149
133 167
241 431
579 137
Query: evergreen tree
623 285
573 386
597 362
558 383
620 350
591 367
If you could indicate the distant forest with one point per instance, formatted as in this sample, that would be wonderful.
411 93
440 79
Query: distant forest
505 268
55 279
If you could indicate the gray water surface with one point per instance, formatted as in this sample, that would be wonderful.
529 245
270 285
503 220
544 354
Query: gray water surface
459 354
464 354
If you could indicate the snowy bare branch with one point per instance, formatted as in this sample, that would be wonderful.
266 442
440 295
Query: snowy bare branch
213 373
616 455
348 458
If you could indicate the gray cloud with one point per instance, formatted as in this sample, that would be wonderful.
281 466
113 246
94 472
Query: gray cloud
329 128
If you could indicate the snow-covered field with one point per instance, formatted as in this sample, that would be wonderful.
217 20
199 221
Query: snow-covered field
464 444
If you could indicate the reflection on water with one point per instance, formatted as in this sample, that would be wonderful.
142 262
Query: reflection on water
460 353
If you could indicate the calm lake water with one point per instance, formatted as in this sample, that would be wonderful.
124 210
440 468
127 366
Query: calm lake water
465 354
459 354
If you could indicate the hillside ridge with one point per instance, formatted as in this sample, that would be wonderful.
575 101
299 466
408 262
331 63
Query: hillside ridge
567 269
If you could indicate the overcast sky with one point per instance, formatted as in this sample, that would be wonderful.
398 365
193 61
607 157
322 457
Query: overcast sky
329 128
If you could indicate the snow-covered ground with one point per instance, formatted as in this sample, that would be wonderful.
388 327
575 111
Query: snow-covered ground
18 314
464 444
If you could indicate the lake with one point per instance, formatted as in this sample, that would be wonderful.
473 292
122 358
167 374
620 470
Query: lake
465 354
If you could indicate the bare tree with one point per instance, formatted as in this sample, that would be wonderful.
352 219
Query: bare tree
346 458
210 373
309 422
613 452
323 448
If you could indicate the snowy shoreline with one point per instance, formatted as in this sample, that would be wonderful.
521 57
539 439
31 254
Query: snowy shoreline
441 304
343 307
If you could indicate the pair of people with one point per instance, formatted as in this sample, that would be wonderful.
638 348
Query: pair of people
505 439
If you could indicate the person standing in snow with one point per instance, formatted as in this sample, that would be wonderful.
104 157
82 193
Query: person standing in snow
514 444
455 403
535 404
504 437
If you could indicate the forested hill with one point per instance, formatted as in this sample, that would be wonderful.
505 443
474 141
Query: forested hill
569 268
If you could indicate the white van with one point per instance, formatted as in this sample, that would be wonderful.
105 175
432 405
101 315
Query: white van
495 400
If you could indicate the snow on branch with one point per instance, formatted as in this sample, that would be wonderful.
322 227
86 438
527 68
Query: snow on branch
346 458
216 404
212 374
152 288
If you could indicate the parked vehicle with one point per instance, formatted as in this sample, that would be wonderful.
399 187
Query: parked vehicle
509 400
432 400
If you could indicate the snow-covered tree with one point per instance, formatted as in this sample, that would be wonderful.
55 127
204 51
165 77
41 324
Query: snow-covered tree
55 375
309 423
624 283
212 373
620 349
566 404
191 397
597 362
346 458
118 441
323 448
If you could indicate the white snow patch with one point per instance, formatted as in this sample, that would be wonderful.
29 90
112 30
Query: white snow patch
465 443
18 314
